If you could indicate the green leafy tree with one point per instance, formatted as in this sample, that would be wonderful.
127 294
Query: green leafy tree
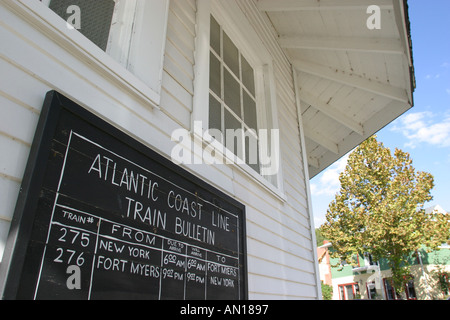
327 291
319 237
379 210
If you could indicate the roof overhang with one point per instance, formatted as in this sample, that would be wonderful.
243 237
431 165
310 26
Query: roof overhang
352 80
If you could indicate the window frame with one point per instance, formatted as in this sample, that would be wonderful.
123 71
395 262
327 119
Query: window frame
342 289
410 290
390 292
237 115
444 282
389 289
148 92
371 290
240 31
368 260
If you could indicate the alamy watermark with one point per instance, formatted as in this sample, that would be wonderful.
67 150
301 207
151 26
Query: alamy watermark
74 21
212 146
208 147
74 280
374 21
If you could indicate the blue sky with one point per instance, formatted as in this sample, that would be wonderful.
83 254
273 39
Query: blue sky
423 131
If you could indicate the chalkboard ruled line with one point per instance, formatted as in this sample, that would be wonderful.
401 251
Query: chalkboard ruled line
72 227
64 163
163 250
151 172
139 230
53 211
93 264
237 257
137 225
40 272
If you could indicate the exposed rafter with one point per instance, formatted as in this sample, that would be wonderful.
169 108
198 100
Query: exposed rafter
304 31
331 111
353 80
319 138
373 45
391 111
291 5
313 162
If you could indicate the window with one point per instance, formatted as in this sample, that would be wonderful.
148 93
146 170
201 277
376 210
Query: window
444 283
410 291
349 291
390 292
97 17
232 101
371 290
234 93
132 32
368 260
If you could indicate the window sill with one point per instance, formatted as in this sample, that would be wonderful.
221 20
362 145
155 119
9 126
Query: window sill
228 159
275 191
35 13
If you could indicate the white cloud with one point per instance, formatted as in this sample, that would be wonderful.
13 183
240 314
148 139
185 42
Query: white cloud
328 183
433 76
444 67
318 221
424 127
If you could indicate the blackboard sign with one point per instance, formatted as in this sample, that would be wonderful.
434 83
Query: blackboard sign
101 216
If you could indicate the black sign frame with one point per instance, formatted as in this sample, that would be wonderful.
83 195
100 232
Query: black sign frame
34 215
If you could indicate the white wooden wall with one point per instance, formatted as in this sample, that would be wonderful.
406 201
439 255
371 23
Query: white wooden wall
281 253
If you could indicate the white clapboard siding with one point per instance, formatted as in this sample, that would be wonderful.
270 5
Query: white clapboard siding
281 253
35 64
176 96
280 249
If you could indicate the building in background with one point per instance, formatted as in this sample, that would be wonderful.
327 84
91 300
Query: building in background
370 279
304 81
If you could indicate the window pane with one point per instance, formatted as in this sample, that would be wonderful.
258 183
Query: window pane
215 35
341 292
230 55
233 134
349 292
248 76
232 93
411 290
389 289
215 114
232 85
215 75
251 152
250 112
371 289
95 17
